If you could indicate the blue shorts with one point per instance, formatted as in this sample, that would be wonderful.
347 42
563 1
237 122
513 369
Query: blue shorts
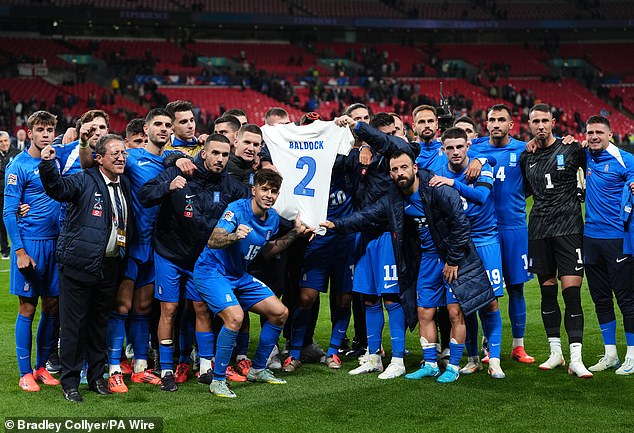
169 280
140 265
221 291
329 258
514 244
491 257
43 279
375 272
431 289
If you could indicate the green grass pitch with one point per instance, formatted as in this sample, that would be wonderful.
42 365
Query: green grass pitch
319 400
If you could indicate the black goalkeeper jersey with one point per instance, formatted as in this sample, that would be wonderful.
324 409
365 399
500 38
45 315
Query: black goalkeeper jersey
550 176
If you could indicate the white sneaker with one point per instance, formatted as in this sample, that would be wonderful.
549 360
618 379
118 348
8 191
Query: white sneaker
364 358
605 363
393 371
577 368
372 365
555 360
495 370
274 362
471 367
627 368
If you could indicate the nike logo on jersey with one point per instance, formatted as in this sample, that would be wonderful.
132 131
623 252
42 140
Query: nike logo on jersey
408 206
389 286
97 194
190 196
142 163
532 165
621 259
578 268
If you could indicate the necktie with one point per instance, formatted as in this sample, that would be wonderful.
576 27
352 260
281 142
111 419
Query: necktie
119 206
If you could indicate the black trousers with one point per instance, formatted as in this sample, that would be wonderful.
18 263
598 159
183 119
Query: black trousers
84 310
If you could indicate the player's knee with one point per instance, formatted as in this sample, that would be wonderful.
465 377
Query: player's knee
280 316
307 298
50 305
455 314
232 318
27 310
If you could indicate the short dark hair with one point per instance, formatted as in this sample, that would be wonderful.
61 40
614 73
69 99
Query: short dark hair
453 132
266 176
395 115
41 118
235 112
544 108
400 152
179 106
500 107
250 127
90 115
158 112
218 138
598 119
381 119
465 119
135 126
356 106
424 107
275 111
100 147
231 120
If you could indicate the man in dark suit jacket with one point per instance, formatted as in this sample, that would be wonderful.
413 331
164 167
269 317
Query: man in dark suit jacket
90 253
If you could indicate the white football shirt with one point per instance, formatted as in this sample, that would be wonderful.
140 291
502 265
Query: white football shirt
304 156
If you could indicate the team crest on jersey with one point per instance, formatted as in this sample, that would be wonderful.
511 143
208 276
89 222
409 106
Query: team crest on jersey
97 208
12 179
513 160
216 196
606 169
561 163
189 209
160 289
228 216
27 286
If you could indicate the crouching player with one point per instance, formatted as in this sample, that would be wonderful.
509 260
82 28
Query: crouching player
221 277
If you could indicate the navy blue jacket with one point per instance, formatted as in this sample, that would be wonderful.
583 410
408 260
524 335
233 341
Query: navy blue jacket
449 229
82 243
187 216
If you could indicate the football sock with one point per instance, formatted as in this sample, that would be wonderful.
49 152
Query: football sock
242 343
339 328
301 318
396 316
140 335
224 347
575 352
429 352
374 321
517 310
555 345
573 314
471 342
116 334
45 339
140 365
23 343
268 338
186 336
608 332
166 355
551 313
493 320
518 342
205 342
455 352
630 345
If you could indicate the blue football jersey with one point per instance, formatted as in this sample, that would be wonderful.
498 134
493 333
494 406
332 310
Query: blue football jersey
68 158
508 191
234 259
142 166
415 212
23 185
607 173
431 156
482 217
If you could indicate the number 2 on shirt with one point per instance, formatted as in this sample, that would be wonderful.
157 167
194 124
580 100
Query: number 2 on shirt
301 188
